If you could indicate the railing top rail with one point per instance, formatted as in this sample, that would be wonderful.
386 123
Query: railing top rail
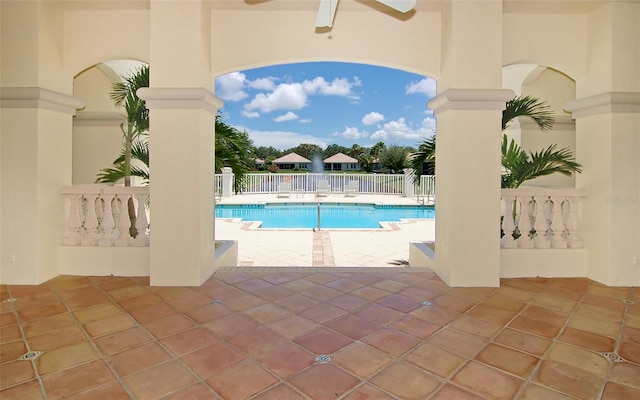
98 188
86 188
533 191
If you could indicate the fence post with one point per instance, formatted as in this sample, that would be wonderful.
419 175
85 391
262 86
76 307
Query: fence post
408 190
227 181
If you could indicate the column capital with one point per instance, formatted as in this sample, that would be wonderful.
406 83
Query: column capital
36 97
180 98
605 103
471 99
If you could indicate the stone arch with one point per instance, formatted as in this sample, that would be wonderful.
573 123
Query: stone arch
556 88
96 136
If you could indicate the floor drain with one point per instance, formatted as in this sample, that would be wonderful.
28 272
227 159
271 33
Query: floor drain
218 301
628 302
32 355
427 303
613 357
323 359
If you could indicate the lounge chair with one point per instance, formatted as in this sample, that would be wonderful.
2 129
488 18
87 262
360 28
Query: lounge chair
351 189
284 189
323 188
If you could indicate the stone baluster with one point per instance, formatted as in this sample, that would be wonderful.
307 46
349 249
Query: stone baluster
107 223
141 239
508 224
524 223
540 224
124 223
91 220
575 241
74 223
557 224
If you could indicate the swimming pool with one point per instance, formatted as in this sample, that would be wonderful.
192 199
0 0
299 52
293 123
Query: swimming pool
332 215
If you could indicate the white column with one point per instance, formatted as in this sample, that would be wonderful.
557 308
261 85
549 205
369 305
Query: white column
181 143
607 114
35 156
468 185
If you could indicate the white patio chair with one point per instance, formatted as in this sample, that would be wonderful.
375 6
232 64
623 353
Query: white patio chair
352 188
323 188
284 189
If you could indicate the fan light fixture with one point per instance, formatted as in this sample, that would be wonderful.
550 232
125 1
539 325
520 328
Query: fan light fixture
327 9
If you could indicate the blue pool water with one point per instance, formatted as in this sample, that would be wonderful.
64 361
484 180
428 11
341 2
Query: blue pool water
332 216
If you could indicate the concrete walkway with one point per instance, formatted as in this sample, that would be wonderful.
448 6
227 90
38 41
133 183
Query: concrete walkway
386 247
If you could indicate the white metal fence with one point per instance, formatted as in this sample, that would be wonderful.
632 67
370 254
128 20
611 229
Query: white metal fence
308 182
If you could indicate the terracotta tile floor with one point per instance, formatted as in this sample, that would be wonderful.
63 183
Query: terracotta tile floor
258 333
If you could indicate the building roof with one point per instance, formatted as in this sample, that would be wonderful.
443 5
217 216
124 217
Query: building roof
340 158
291 158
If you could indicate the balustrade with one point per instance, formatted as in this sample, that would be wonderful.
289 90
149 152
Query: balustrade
541 218
103 215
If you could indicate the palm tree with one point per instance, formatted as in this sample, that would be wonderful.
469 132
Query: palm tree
233 149
518 165
137 124
426 154
139 151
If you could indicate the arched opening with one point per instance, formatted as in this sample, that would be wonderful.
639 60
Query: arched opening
557 89
327 108
97 137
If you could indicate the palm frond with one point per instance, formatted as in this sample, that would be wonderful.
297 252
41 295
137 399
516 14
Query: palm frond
528 106
125 93
520 166
426 154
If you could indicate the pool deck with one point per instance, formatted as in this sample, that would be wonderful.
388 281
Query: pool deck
387 247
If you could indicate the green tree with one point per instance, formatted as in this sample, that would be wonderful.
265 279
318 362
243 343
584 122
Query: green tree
394 159
334 149
365 159
267 153
307 150
233 149
377 149
517 164
355 151
137 120
520 166
423 161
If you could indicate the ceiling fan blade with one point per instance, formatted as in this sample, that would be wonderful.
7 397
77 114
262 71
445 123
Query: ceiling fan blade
326 12
400 5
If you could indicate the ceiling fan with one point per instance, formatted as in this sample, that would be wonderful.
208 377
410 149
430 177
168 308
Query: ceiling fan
327 9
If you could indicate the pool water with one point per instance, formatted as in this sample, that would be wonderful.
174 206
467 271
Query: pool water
332 215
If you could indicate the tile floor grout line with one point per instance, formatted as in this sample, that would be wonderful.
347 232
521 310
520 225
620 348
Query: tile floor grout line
26 344
94 345
554 341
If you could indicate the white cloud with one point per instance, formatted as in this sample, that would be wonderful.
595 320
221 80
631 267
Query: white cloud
372 118
399 130
263 84
305 121
230 87
286 96
294 95
351 132
250 114
290 116
280 139
426 86
338 87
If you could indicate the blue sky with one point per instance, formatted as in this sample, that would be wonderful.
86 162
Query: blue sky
328 102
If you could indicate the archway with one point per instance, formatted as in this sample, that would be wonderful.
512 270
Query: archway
334 105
